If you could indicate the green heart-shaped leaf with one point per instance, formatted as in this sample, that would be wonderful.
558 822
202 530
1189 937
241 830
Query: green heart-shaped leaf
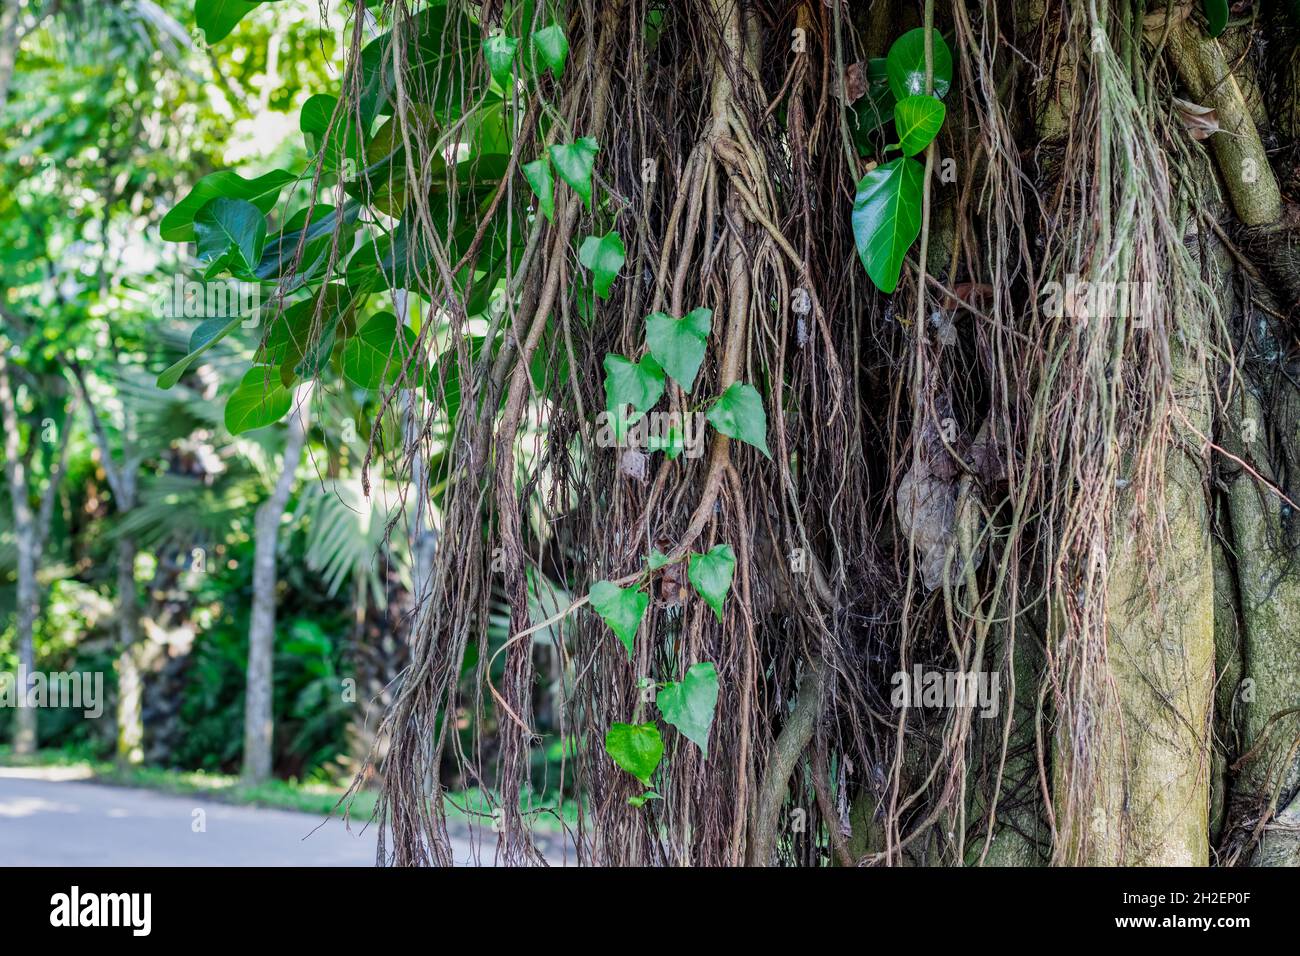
499 53
552 48
678 344
638 384
689 705
671 444
620 608
916 122
656 560
739 414
259 399
372 358
906 64
604 256
538 174
234 225
575 162
637 748
887 218
711 575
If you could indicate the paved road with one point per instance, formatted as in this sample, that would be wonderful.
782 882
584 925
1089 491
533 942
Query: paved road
49 820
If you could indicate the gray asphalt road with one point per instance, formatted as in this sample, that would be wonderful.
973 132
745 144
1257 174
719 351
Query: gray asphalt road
47 821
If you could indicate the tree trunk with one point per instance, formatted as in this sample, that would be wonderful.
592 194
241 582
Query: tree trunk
25 541
130 681
28 603
258 718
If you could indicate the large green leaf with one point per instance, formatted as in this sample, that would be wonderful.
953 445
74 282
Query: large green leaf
372 357
260 399
499 52
333 139
316 239
1216 16
887 218
208 334
575 163
538 174
690 704
916 121
638 384
231 225
739 414
620 608
711 575
906 64
604 256
435 45
262 192
637 748
552 48
216 18
305 329
876 108
678 344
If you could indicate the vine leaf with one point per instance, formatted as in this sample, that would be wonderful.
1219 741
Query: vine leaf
711 574
672 444
575 162
636 748
604 256
657 560
678 344
739 414
538 174
371 359
906 64
690 704
230 225
499 52
641 799
916 121
621 609
553 47
638 384
887 218
259 399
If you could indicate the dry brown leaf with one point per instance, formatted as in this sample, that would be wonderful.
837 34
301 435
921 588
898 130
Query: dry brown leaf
855 82
1201 122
